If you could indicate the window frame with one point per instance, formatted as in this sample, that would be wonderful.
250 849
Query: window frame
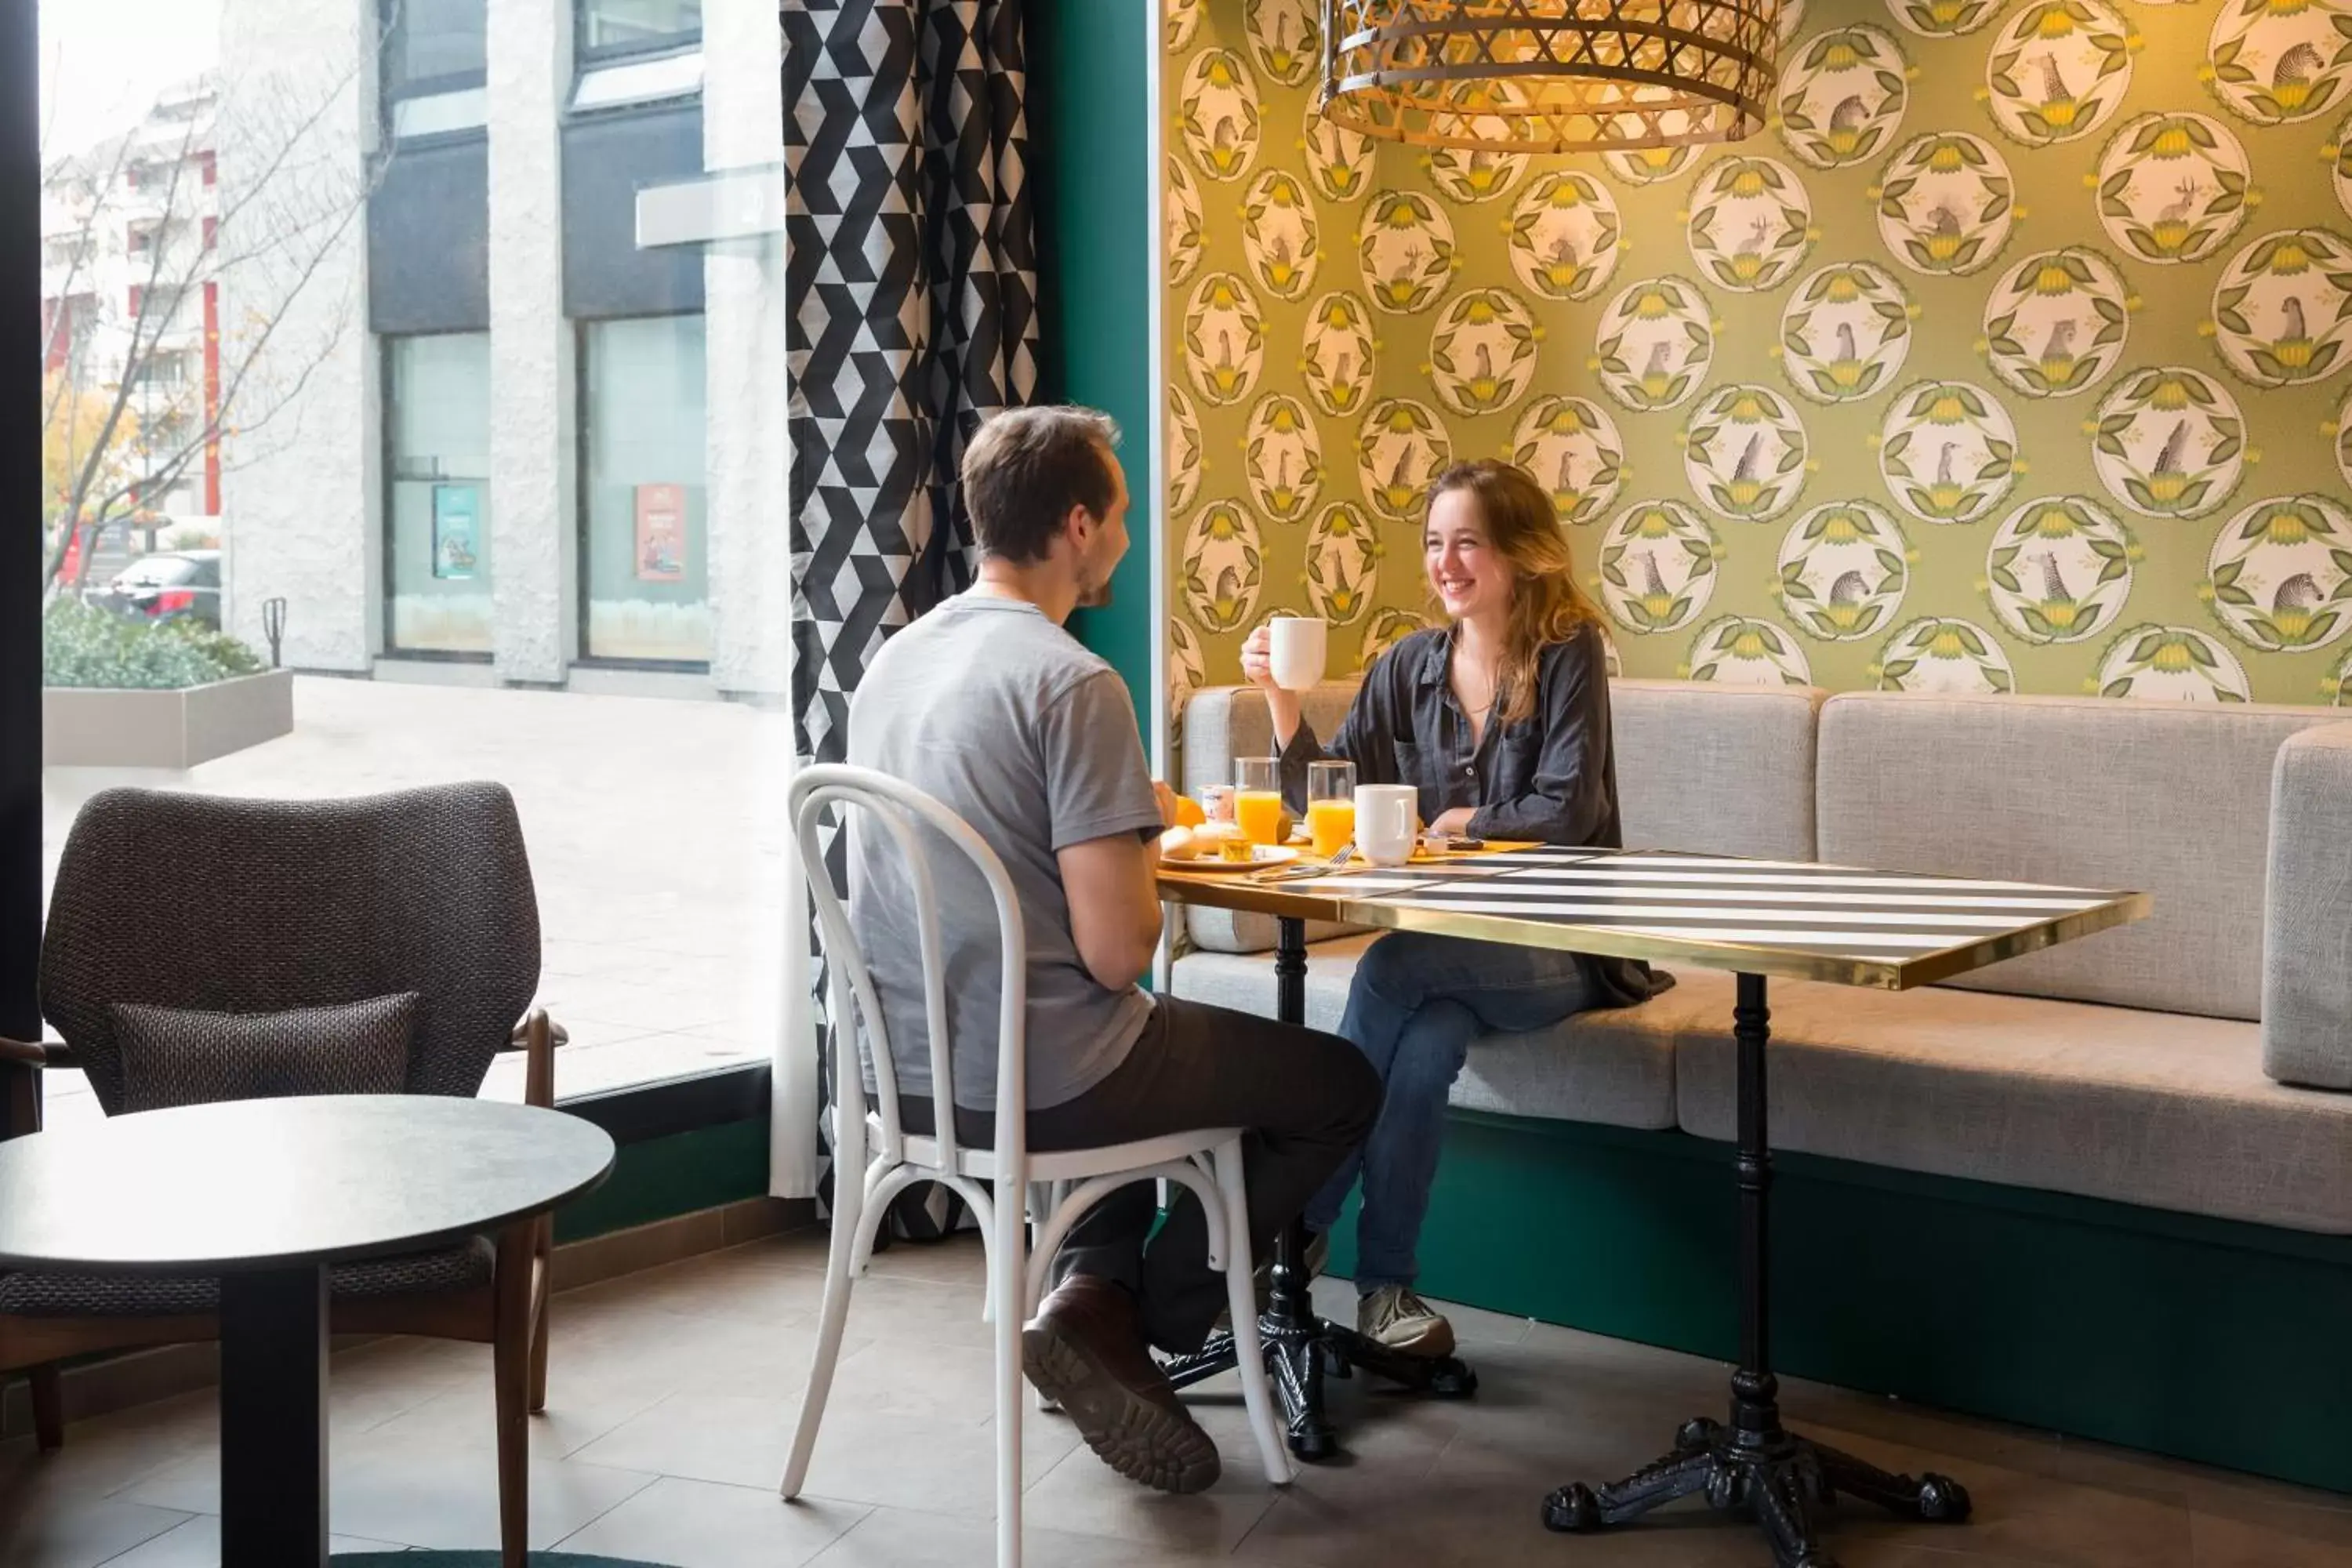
585 55
388 476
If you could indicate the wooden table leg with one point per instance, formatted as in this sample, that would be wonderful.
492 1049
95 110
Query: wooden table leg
273 1406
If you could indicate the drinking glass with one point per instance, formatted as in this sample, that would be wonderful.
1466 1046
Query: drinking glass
1331 806
1257 799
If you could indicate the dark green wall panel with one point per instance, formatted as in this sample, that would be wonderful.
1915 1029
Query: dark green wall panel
664 1177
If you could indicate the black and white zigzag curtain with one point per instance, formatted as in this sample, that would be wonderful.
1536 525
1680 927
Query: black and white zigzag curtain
912 285
911 272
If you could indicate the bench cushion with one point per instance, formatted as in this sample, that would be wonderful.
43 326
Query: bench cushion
2169 799
1589 1068
1716 770
2162 1110
2307 950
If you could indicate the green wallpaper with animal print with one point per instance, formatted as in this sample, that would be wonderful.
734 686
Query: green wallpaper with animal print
2011 355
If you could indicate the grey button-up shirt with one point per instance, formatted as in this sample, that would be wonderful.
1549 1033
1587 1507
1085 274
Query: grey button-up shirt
1551 778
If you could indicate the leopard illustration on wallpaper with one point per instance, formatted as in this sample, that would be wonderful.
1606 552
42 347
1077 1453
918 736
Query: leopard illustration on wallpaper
2012 356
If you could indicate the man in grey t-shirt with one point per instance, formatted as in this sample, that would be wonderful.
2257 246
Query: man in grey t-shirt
990 706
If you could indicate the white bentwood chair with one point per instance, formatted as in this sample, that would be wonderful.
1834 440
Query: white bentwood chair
995 1181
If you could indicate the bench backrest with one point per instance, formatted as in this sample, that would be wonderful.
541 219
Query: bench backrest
2173 800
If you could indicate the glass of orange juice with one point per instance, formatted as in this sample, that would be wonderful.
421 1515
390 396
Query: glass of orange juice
1257 798
1331 806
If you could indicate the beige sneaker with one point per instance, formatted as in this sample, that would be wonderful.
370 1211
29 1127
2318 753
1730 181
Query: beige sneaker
1395 1317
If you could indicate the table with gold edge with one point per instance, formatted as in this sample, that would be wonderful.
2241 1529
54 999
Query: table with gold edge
1750 1465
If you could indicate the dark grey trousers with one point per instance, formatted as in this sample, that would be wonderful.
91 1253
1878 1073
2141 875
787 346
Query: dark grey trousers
1304 1099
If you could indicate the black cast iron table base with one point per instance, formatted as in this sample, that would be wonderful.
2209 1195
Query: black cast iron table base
1755 1466
1300 1348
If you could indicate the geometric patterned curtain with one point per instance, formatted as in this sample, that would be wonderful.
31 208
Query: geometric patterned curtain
911 286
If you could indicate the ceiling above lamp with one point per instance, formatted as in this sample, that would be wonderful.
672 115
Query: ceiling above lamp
1550 76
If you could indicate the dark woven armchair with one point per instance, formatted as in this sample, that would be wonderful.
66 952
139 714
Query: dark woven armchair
202 949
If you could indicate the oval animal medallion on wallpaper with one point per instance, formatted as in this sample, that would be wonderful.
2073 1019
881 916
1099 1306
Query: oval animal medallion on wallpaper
1655 344
2170 442
1188 671
1343 557
1945 203
1943 18
1482 352
1338 353
1657 566
1406 249
1844 332
1402 446
1224 564
1844 569
2175 663
1843 97
2056 322
1751 223
2281 573
2173 187
1739 650
1182 20
1565 236
2336 686
1573 448
1280 235
1180 211
1283 458
2059 69
1472 175
1339 160
2059 569
1954 658
1218 115
1185 459
1286 39
1947 451
2282 310
1224 338
2271 61
1744 452
2340 165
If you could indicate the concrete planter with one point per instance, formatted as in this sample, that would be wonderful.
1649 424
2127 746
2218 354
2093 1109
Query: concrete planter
92 727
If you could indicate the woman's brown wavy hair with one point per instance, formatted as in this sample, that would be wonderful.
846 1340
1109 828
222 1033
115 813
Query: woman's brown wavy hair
1546 606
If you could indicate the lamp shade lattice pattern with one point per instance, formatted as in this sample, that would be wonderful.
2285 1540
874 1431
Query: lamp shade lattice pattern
1550 76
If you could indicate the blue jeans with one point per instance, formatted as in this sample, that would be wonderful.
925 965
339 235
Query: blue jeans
1417 1002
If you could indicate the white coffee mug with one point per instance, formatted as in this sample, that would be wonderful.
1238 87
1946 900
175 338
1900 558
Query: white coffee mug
1386 823
1297 653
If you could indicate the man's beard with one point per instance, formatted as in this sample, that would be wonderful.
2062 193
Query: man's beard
1097 597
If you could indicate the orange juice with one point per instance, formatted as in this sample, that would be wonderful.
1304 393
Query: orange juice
1259 814
1331 824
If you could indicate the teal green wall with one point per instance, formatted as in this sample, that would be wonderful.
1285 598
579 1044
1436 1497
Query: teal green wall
665 1177
1089 122
2214 1341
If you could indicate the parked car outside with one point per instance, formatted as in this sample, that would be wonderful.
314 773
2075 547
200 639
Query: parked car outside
169 585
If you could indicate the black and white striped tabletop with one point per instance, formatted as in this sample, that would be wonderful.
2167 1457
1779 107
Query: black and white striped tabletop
1852 924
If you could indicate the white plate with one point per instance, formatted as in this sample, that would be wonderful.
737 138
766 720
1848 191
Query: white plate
1265 855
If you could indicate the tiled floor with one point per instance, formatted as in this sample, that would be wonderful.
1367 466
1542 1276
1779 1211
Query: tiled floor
671 1394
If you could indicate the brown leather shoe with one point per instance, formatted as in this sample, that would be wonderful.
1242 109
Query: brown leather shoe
1085 1350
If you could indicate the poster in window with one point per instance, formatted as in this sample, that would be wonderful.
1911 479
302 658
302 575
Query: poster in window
661 533
456 531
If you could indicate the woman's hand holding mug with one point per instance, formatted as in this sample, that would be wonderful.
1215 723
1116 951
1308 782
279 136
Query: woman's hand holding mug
1257 668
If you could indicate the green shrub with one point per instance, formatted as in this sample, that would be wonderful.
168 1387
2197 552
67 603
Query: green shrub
86 646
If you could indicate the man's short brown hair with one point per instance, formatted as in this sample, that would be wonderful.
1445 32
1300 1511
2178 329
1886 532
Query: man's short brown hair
1027 468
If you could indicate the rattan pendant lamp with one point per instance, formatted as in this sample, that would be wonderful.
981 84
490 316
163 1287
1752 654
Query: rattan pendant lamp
1550 76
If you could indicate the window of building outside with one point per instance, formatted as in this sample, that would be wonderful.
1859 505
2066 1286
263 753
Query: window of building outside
436 426
643 561
435 66
617 27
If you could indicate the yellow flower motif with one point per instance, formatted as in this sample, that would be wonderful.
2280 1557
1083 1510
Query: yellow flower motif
2164 489
1748 182
2170 395
2055 23
2055 523
1947 409
1841 56
2173 656
2289 258
2286 526
1748 644
1946 644
2172 142
2293 354
1844 287
1650 305
1656 523
2059 113
1746 408
1946 159
1839 528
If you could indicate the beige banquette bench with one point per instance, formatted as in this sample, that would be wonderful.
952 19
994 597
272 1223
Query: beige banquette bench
2200 1061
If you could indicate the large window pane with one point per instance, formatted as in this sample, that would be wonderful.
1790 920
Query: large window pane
645 557
431 41
637 24
436 420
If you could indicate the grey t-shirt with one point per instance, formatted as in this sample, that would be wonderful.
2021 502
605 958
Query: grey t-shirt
1011 723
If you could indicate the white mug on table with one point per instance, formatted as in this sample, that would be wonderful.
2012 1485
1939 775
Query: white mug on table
1387 823
1297 649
